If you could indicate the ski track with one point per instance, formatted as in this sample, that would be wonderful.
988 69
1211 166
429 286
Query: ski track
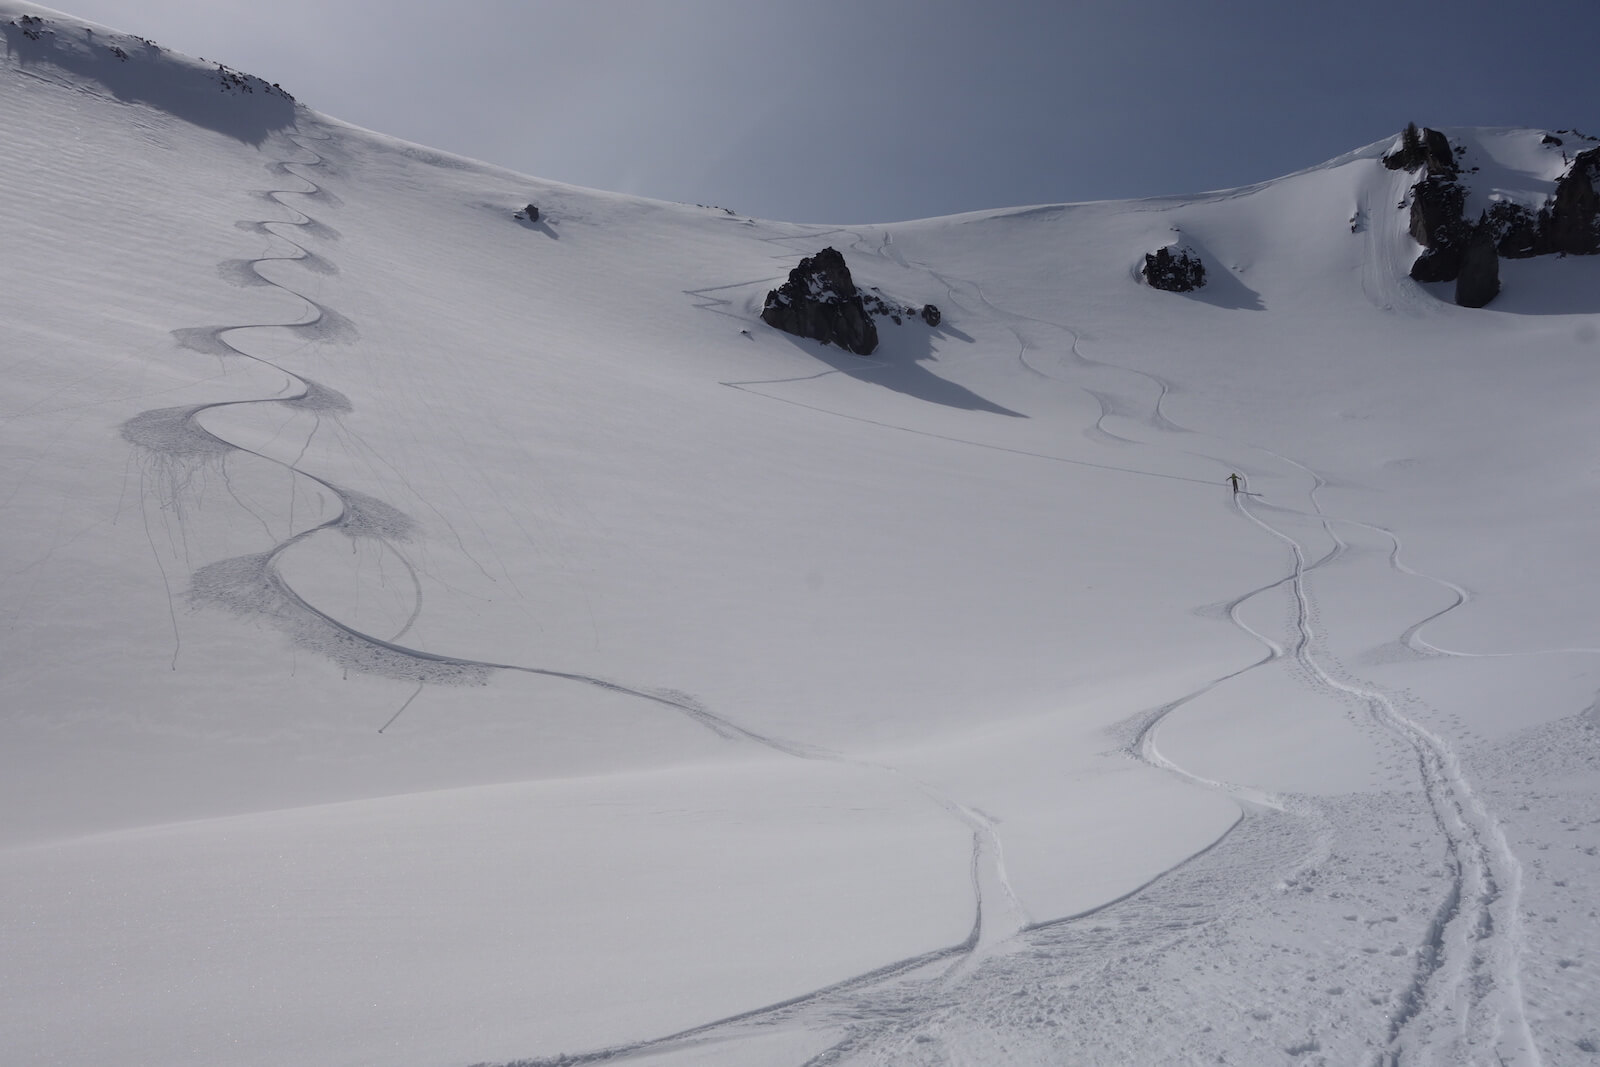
179 435
176 436
1464 995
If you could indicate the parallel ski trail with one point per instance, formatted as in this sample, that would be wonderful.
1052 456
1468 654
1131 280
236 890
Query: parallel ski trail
1465 994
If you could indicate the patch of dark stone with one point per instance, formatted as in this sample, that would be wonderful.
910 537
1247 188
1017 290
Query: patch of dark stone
898 313
1437 225
820 301
1479 279
1180 273
1574 223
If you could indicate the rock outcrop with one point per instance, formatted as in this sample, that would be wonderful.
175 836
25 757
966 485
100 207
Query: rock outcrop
1518 232
1571 224
1568 223
1437 225
1180 273
1423 148
1479 279
1438 200
877 305
820 301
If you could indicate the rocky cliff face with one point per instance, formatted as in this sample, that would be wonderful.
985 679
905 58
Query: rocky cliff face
1437 201
1566 223
1437 225
1479 279
1423 148
1572 224
820 301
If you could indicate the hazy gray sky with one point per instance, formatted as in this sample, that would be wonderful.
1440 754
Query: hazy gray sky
878 110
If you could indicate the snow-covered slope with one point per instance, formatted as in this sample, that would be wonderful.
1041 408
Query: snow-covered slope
432 637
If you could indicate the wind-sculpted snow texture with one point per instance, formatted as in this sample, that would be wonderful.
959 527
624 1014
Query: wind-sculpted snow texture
434 640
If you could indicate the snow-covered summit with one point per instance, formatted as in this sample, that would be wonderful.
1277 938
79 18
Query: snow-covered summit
431 636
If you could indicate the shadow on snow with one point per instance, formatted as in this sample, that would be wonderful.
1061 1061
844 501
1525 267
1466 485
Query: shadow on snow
238 105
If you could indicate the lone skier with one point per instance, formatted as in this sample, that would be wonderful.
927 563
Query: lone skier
1235 480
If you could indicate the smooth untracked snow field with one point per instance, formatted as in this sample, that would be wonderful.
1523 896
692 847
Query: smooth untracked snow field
432 637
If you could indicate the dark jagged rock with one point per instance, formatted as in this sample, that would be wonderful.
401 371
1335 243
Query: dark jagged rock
876 305
531 212
1439 159
1572 226
1437 225
1479 280
1436 266
1436 205
1423 148
1437 200
32 27
1568 223
820 301
1409 155
1181 273
1516 230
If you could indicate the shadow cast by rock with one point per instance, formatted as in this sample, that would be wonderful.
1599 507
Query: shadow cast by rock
540 227
1222 289
1542 285
897 364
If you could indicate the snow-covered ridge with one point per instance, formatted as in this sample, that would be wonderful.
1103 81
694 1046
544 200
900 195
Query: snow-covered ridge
50 44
